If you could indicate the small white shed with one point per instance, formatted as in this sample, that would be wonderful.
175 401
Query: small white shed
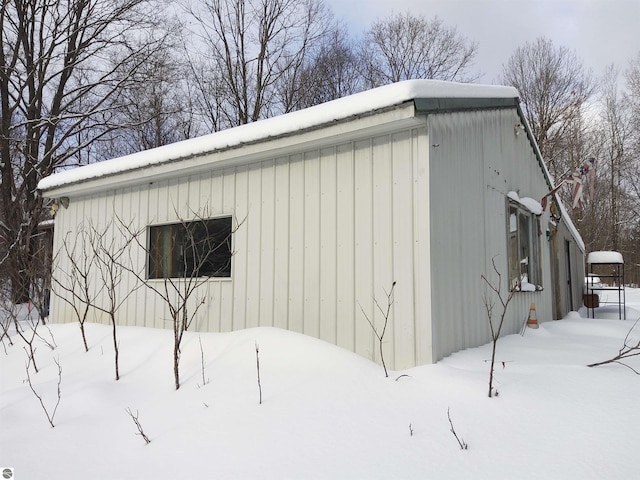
421 182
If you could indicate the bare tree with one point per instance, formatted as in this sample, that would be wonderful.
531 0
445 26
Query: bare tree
386 314
406 46
553 86
632 76
5 323
202 248
495 327
156 110
75 284
249 48
331 72
611 219
110 249
62 66
616 126
25 324
632 174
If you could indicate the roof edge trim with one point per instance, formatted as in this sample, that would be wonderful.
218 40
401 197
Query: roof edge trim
432 105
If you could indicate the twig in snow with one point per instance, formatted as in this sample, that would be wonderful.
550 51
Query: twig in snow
258 370
626 351
204 380
138 426
461 442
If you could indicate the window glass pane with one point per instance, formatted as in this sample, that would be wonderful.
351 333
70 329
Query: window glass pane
523 247
201 249
534 270
513 247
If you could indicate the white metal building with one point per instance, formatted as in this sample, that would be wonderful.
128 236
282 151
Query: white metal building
420 182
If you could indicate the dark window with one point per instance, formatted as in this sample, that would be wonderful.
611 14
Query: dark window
524 249
201 248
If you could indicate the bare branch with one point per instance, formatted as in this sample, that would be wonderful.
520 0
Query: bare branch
138 425
495 330
50 416
628 350
386 313
204 380
461 442
258 372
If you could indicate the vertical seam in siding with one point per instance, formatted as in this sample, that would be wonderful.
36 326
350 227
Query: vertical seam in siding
335 239
258 298
390 147
288 237
353 320
304 238
273 243
372 280
321 272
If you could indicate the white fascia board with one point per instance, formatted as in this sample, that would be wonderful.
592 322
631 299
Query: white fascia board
396 118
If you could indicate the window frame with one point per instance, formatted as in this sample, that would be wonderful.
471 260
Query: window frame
523 265
175 237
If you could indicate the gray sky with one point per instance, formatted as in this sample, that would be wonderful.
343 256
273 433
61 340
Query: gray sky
601 32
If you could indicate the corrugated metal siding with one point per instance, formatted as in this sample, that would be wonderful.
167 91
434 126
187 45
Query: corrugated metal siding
569 291
476 158
324 232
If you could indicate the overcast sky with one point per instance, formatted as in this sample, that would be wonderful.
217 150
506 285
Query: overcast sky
601 32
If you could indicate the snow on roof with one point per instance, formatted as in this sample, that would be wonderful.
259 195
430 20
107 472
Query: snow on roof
340 109
605 257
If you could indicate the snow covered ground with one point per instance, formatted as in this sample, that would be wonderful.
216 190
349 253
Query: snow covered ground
326 413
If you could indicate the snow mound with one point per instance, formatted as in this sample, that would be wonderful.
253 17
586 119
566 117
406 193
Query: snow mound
326 413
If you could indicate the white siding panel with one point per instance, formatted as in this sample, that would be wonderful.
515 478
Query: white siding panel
227 288
139 214
347 315
174 208
383 273
363 270
240 270
254 237
312 244
282 226
404 313
296 244
126 284
422 247
328 245
61 264
138 258
267 242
